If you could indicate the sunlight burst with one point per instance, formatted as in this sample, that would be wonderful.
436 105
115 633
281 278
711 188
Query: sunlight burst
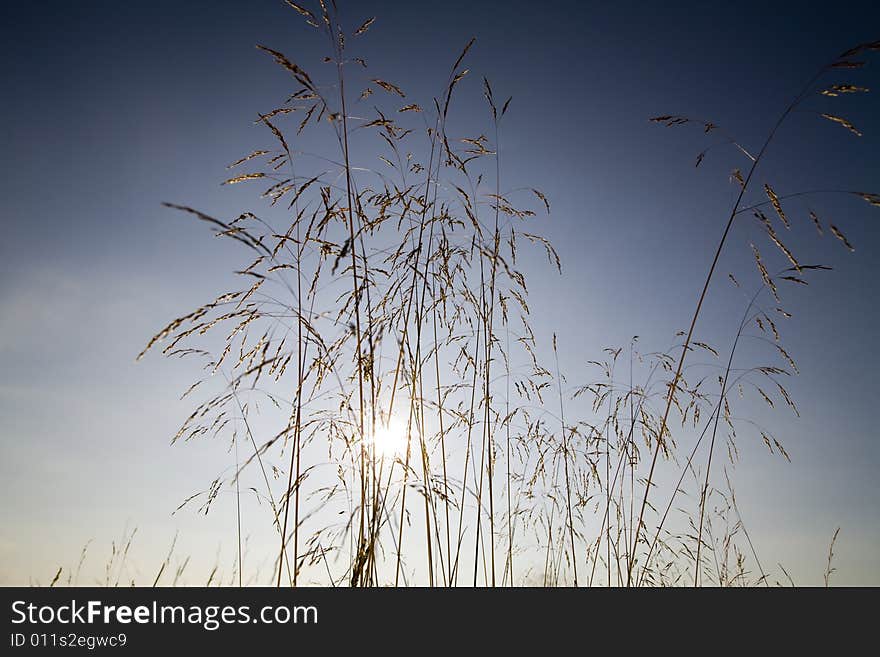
390 437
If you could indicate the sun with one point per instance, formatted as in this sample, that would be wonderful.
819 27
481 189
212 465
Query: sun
390 437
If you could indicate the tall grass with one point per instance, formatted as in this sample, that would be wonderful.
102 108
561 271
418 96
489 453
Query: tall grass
384 327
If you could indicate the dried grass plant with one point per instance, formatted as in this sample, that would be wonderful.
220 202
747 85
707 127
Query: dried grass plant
381 286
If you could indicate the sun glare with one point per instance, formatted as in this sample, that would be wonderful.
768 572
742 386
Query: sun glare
390 438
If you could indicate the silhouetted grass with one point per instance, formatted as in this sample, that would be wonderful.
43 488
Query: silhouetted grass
382 288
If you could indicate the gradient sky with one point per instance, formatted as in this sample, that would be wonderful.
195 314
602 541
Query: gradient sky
111 108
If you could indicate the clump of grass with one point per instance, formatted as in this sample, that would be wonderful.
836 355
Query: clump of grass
381 289
379 297
815 86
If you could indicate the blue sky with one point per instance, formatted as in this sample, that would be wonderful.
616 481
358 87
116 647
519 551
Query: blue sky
112 109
